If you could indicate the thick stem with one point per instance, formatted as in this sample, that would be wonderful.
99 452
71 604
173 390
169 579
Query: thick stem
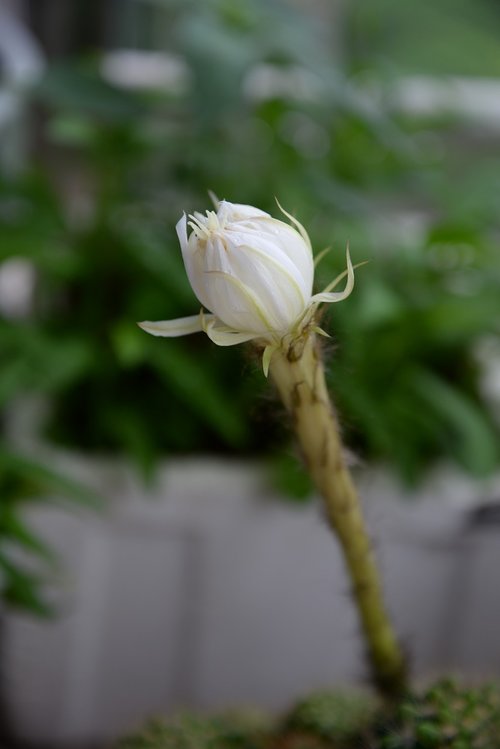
299 377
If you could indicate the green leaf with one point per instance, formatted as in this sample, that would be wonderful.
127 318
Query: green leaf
49 481
22 589
13 375
290 478
40 361
466 431
198 387
80 89
12 528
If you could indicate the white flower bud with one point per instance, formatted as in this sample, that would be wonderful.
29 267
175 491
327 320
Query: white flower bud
254 274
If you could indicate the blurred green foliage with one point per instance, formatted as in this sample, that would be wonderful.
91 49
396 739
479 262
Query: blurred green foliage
27 563
426 37
446 714
98 223
261 107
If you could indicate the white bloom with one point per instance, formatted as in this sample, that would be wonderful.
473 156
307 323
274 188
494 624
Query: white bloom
253 273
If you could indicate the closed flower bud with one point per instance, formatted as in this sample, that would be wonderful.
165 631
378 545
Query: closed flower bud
253 273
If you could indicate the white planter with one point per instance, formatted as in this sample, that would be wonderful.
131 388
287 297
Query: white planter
210 591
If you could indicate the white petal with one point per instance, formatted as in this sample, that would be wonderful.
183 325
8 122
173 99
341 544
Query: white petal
239 211
276 240
237 305
181 229
297 224
280 235
224 294
215 200
338 296
174 328
320 331
224 336
328 297
267 356
192 256
276 283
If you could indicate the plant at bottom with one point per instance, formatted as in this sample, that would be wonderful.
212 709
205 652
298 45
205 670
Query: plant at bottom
444 716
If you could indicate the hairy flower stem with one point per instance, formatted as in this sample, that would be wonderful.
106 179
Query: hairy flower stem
300 379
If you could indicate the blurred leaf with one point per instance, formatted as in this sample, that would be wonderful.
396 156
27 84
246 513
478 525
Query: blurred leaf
21 589
81 89
385 31
463 319
11 375
463 424
71 130
16 531
47 483
40 362
290 478
133 434
198 387
379 305
128 343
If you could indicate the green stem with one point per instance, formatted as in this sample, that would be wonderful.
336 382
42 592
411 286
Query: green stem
299 377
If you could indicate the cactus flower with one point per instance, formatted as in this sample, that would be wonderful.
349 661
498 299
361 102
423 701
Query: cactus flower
254 274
